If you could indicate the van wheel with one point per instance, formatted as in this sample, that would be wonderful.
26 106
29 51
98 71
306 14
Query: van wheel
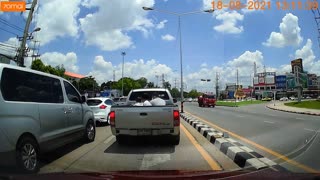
27 154
90 131
175 140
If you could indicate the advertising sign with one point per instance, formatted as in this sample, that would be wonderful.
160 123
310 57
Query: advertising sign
312 82
297 62
264 78
281 82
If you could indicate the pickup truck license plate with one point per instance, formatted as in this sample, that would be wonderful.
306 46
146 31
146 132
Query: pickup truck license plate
144 132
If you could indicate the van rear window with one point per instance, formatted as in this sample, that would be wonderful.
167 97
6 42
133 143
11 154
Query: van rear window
24 86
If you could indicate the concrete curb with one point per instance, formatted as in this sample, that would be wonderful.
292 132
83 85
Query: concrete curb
308 113
241 155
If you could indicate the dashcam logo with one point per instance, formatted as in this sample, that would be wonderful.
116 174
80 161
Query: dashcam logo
12 6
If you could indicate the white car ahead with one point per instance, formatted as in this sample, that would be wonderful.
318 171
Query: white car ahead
284 99
101 108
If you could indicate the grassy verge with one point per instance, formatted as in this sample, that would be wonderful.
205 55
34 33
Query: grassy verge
305 104
242 103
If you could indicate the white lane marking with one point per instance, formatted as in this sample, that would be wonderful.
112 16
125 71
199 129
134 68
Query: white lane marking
307 129
150 160
299 118
271 115
270 122
240 116
108 140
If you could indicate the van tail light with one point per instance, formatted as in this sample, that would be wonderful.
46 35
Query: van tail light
112 117
176 118
103 107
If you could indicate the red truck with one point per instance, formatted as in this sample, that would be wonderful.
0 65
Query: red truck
207 100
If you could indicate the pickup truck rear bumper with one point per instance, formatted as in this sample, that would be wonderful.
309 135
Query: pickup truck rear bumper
145 132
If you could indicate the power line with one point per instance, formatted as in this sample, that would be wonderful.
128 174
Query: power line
8 45
8 31
3 21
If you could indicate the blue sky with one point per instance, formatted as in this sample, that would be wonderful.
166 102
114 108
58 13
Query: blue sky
88 36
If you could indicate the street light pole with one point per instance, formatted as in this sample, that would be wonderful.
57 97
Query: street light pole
123 54
180 41
181 67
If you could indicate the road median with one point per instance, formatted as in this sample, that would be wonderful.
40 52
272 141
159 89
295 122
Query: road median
281 106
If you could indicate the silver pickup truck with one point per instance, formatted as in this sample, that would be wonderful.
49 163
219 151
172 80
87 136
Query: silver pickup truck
130 120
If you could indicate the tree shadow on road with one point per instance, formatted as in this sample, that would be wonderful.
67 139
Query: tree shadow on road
142 145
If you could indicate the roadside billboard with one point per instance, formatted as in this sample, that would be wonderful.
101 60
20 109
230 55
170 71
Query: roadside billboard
297 62
267 78
312 82
291 81
281 82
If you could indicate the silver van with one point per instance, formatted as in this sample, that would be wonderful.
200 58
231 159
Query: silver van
38 113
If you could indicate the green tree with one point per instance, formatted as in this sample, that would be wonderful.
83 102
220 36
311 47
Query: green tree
175 93
39 66
142 82
88 84
150 85
167 85
193 93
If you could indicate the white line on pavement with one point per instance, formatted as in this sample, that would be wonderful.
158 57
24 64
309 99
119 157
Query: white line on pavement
307 129
270 122
299 118
108 140
150 160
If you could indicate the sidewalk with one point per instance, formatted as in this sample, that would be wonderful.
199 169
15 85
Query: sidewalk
281 107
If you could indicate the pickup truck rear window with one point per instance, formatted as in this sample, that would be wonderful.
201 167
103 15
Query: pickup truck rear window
94 102
162 94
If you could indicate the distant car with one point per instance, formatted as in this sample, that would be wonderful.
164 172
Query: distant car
284 99
189 100
121 101
292 98
266 99
101 108
308 97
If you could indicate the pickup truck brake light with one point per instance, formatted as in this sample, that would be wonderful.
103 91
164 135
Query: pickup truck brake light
176 118
112 117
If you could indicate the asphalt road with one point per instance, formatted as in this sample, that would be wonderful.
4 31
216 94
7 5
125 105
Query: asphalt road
292 135
193 153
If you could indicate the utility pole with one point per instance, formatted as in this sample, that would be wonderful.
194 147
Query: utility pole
265 77
123 54
114 75
157 76
217 85
163 81
35 55
237 79
20 60
175 83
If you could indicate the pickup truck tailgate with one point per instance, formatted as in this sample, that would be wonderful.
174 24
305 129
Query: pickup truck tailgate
144 117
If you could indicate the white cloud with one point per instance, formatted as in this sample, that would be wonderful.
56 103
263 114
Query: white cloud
310 63
168 37
161 24
9 47
229 22
57 18
102 30
103 70
69 60
289 34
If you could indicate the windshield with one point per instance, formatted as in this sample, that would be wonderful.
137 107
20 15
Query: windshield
152 86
